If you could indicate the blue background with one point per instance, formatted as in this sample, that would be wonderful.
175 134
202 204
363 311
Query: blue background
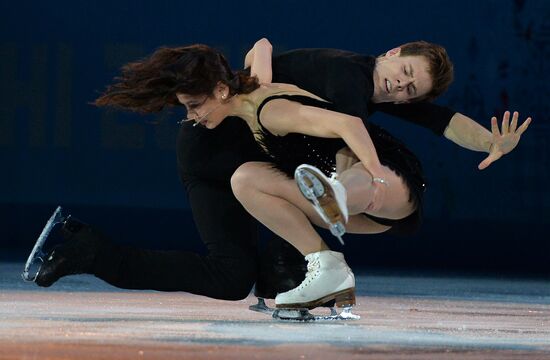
118 170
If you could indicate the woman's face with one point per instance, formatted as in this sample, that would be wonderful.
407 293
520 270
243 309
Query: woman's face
207 111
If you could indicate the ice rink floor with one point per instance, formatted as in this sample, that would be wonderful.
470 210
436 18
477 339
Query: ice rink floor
402 317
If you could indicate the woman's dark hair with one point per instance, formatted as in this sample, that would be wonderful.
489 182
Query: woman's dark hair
150 84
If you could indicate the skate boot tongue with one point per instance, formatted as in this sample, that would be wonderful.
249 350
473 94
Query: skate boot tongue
325 254
312 260
312 256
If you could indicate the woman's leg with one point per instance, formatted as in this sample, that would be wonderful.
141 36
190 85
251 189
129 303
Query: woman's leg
360 190
260 187
274 199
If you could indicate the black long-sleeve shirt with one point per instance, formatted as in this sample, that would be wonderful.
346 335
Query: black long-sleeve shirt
345 79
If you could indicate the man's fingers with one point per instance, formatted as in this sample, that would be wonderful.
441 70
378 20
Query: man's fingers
524 126
514 123
494 126
489 160
506 122
485 163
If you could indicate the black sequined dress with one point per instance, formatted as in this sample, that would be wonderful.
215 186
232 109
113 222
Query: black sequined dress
289 151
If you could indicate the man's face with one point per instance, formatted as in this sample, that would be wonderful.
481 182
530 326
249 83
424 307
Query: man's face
400 79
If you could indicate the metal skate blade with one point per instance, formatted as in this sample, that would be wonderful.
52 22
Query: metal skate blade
311 187
340 239
345 314
293 315
36 257
261 307
304 315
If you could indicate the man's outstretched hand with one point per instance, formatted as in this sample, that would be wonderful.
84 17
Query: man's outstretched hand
505 140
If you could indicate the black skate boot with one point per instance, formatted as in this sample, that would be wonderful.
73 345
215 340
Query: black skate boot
76 255
282 268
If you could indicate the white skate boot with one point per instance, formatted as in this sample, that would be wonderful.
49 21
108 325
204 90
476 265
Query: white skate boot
328 197
329 279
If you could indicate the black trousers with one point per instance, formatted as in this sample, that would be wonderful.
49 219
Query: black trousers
206 161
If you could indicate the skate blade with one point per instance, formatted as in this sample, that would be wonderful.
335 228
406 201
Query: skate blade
341 299
281 314
338 231
314 190
304 315
261 307
36 257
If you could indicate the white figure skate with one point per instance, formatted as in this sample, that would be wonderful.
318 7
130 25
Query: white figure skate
328 197
328 280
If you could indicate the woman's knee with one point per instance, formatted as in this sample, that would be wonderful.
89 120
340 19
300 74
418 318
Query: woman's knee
242 180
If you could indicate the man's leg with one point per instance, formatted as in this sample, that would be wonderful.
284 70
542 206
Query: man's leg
281 268
227 272
228 231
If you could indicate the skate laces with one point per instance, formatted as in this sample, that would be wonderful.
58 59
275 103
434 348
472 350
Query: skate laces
313 267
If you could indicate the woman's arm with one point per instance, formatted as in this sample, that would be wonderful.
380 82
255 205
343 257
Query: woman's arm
259 60
283 116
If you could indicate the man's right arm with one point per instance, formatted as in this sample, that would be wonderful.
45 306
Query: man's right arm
463 130
443 121
336 79
498 142
467 133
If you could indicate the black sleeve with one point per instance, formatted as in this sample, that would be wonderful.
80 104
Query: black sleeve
429 115
330 74
346 89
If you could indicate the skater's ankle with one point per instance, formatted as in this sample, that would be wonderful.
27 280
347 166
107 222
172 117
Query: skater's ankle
315 249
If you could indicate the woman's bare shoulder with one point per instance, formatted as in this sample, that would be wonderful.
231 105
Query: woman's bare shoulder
267 90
